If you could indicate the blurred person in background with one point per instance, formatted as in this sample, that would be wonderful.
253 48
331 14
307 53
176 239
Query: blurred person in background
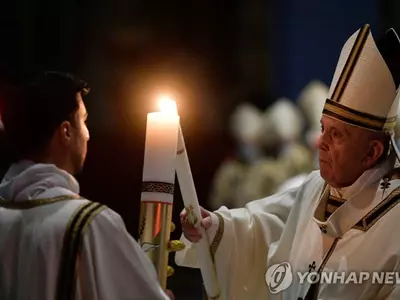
245 128
311 102
291 157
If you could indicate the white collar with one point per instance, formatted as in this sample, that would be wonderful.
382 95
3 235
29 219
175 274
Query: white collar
361 197
27 180
366 179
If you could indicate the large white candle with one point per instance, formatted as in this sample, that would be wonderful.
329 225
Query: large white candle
158 186
160 153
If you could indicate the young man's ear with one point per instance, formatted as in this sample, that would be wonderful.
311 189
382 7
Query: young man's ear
65 131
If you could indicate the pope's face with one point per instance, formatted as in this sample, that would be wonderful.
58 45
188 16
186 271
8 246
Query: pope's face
342 152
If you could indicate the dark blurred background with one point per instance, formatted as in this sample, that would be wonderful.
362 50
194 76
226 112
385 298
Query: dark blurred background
211 55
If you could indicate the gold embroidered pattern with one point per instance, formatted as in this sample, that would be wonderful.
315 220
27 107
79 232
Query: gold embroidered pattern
71 246
331 208
36 202
351 62
332 205
334 199
355 117
313 289
158 187
379 211
218 236
373 216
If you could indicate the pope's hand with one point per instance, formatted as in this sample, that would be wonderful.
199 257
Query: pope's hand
189 230
170 294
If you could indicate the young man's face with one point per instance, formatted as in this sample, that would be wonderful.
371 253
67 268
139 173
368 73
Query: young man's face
79 137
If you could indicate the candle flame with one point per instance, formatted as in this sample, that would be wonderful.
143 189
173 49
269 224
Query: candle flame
167 105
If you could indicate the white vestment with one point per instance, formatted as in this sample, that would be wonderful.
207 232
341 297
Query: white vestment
288 227
110 265
293 182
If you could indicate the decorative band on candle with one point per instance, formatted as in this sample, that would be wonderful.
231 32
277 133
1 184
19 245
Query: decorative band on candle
157 187
180 151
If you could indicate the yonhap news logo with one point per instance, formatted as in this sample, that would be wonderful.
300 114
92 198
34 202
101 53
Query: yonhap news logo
279 277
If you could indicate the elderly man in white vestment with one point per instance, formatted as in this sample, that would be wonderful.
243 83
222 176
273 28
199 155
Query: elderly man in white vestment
344 218
54 244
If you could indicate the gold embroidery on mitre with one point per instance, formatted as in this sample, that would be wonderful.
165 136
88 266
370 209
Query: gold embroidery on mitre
357 118
350 63
334 109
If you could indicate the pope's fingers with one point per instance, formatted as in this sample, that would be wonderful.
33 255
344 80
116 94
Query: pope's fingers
204 213
189 229
183 213
186 225
206 222
191 233
170 294
193 238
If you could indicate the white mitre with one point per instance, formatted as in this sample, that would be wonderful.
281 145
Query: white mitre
311 101
246 123
286 119
364 87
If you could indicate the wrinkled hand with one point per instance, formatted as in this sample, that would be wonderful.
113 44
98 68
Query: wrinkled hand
189 230
170 294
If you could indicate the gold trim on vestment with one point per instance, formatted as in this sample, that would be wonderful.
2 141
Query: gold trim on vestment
312 293
337 199
374 215
73 236
218 236
35 202
331 208
380 210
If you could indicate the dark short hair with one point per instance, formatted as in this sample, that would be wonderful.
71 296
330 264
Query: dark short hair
33 111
